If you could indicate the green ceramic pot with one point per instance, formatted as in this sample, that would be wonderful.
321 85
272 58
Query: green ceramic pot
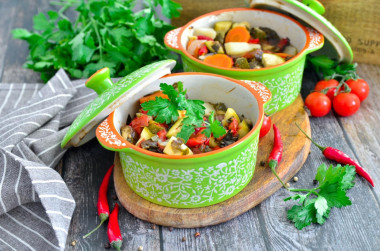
284 80
198 180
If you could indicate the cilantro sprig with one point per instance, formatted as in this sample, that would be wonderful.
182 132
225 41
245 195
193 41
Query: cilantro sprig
104 33
166 111
315 206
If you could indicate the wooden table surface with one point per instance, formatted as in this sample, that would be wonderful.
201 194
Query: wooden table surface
265 227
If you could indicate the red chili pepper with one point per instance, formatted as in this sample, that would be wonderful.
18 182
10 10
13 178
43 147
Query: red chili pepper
201 37
254 41
113 229
203 50
276 154
340 157
103 209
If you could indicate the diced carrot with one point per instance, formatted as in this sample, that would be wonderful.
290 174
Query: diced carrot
153 96
221 60
238 34
283 55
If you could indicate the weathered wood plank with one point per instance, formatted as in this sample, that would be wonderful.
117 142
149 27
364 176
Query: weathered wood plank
241 233
84 168
17 50
362 129
7 11
346 228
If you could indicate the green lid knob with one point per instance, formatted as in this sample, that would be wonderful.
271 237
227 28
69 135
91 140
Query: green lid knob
315 5
100 80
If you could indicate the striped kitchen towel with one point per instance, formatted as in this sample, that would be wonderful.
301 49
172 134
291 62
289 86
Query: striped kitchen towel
35 204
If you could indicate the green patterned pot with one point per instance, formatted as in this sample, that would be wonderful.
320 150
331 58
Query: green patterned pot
197 180
284 80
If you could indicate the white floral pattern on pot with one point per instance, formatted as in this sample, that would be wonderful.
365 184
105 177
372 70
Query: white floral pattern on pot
190 187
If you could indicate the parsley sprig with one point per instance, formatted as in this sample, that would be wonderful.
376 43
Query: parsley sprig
104 33
316 204
166 111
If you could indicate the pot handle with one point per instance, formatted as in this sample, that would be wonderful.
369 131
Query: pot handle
264 93
172 40
315 40
108 137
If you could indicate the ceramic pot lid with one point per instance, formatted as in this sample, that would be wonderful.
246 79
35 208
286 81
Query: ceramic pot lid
310 12
111 96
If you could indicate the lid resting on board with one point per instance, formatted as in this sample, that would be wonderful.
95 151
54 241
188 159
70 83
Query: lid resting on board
308 11
111 96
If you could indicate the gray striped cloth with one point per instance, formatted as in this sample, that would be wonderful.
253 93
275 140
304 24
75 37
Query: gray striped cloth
35 204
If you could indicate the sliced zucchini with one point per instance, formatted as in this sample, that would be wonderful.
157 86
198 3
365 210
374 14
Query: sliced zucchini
243 129
154 127
145 135
214 46
175 129
222 27
176 147
256 32
208 32
229 114
242 24
272 59
242 63
240 48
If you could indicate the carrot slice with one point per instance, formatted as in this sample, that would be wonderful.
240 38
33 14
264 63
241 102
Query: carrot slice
153 96
238 34
284 55
221 60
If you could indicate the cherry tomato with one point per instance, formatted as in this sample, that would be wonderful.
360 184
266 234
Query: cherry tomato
346 104
359 87
265 128
233 126
318 103
323 84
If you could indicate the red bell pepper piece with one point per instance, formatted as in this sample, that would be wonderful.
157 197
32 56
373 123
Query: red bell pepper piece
201 37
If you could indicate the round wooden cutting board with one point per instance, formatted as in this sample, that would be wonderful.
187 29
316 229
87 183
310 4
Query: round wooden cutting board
262 185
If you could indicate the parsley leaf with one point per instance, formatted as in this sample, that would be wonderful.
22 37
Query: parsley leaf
165 109
215 127
331 192
104 33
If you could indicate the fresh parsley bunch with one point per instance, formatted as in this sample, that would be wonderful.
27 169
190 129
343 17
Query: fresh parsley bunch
105 33
316 204
166 111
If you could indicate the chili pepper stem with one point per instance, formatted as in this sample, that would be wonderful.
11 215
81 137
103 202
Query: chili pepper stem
117 244
103 218
307 136
273 165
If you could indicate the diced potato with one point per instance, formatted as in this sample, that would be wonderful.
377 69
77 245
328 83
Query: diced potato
243 129
214 46
272 59
291 50
175 129
242 24
229 114
176 147
209 108
208 32
145 135
222 27
240 48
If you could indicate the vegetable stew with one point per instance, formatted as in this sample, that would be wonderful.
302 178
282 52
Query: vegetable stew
168 122
239 45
